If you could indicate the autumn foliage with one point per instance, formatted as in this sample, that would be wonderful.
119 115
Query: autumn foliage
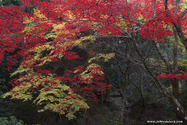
60 25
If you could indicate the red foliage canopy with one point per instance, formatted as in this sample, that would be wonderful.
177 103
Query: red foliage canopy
104 17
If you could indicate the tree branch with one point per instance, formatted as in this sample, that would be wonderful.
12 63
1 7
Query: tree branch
176 7
154 2
164 90
183 13
175 51
181 35
162 56
118 87
166 4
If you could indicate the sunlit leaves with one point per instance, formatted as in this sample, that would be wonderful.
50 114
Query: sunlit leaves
105 57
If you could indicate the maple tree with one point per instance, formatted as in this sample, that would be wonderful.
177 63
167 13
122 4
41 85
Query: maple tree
67 23
65 94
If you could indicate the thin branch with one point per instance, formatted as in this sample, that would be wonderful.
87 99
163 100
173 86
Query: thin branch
176 7
126 2
181 35
148 49
113 24
164 90
162 56
153 67
154 2
124 73
139 91
183 13
166 4
118 87
110 23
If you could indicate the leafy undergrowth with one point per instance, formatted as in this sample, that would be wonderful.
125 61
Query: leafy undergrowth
10 121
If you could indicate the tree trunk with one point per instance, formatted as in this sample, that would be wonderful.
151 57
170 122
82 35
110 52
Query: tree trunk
179 110
123 105
181 35
175 87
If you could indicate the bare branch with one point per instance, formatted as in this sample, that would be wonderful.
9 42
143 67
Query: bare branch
139 91
179 109
164 90
163 56
112 82
148 49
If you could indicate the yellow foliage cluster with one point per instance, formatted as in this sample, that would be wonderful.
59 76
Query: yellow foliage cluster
57 99
106 57
87 74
